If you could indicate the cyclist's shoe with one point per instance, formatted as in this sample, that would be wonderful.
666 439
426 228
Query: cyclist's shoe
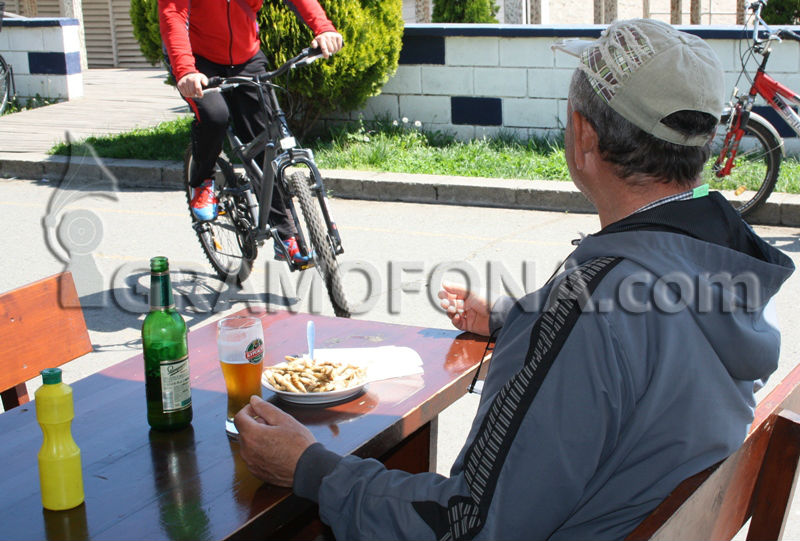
294 252
204 201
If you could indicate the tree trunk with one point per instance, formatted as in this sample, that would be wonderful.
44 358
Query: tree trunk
610 11
694 18
535 12
512 11
28 8
675 11
422 11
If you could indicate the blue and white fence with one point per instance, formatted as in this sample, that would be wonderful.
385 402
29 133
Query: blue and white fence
475 80
45 56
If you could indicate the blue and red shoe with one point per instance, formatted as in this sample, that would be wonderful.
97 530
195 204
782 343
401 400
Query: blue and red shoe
294 252
204 201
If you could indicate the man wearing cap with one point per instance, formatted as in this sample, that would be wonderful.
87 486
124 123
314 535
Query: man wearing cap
629 371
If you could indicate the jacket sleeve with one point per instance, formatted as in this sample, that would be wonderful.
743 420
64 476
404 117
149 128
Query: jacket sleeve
312 15
173 17
360 499
549 461
499 312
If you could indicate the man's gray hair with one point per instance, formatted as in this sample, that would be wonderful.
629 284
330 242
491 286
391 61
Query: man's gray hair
638 156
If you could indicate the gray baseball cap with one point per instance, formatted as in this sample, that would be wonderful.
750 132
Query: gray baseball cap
646 70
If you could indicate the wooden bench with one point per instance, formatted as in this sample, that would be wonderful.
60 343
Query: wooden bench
755 483
41 326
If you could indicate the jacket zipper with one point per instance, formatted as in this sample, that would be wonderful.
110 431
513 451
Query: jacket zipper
230 35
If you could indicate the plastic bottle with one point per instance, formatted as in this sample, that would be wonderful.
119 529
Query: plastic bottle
60 474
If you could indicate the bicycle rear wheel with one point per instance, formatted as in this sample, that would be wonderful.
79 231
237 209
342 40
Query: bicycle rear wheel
324 257
755 168
5 84
225 240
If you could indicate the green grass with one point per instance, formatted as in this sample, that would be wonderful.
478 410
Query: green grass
392 146
167 141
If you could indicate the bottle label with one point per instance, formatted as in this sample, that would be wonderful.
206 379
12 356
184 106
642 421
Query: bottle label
176 389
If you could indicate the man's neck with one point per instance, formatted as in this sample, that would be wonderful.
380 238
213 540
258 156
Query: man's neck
622 200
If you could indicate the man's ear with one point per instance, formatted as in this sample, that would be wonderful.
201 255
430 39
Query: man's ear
584 138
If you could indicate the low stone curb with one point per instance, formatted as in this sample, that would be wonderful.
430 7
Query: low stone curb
781 209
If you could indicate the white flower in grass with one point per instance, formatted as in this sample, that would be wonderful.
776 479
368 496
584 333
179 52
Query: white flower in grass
417 124
405 120
395 123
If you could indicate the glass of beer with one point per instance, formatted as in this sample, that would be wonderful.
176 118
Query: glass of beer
240 341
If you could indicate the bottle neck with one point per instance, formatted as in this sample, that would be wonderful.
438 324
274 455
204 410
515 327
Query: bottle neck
161 291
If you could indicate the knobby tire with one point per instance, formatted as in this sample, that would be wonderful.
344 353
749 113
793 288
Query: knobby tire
324 257
225 243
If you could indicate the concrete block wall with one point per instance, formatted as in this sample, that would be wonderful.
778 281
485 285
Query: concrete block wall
45 57
476 80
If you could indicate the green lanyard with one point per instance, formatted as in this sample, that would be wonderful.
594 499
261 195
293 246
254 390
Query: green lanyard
700 191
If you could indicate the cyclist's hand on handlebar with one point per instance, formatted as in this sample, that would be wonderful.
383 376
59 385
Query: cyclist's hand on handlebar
191 85
328 42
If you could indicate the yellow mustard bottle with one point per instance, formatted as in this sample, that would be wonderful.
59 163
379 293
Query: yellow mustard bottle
60 474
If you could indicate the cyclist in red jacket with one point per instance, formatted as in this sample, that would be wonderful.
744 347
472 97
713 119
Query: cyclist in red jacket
206 38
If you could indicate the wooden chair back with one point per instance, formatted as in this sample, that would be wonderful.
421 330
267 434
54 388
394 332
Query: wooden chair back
756 481
41 326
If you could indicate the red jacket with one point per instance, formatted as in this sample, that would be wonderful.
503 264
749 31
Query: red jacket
222 31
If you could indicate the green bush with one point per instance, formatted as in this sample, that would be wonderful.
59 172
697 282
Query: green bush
782 12
464 11
373 34
144 18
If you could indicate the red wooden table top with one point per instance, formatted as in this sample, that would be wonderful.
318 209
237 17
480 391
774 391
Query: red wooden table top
142 484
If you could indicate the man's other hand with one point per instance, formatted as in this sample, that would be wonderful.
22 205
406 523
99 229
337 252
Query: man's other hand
328 42
467 311
191 85
271 441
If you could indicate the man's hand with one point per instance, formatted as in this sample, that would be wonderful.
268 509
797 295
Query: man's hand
271 441
329 42
467 311
191 85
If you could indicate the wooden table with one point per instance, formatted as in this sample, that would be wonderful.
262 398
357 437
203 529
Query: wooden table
192 484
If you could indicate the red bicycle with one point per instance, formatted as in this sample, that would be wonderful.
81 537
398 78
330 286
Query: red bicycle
748 150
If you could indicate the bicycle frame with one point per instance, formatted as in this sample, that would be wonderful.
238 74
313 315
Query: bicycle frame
273 168
778 96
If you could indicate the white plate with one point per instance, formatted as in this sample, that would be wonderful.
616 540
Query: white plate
326 397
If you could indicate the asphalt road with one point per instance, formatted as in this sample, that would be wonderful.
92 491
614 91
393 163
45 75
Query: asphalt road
107 236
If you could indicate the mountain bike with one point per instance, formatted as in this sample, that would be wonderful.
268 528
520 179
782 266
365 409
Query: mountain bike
231 241
7 90
748 150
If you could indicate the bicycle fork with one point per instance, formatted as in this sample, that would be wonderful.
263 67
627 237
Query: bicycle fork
740 114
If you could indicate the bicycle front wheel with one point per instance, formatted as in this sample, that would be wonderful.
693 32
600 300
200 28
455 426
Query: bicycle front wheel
755 169
324 256
225 240
5 84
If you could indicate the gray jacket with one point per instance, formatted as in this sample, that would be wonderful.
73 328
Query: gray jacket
627 373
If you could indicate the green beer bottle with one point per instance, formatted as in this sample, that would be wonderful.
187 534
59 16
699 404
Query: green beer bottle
166 355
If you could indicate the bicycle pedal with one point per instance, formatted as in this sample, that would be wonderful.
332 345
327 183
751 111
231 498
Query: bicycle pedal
308 265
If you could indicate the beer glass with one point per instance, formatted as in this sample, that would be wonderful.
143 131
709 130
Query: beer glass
240 341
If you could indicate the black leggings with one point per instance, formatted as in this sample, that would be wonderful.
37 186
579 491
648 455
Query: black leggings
212 113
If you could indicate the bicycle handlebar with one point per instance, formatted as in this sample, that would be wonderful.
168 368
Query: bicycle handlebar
222 84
